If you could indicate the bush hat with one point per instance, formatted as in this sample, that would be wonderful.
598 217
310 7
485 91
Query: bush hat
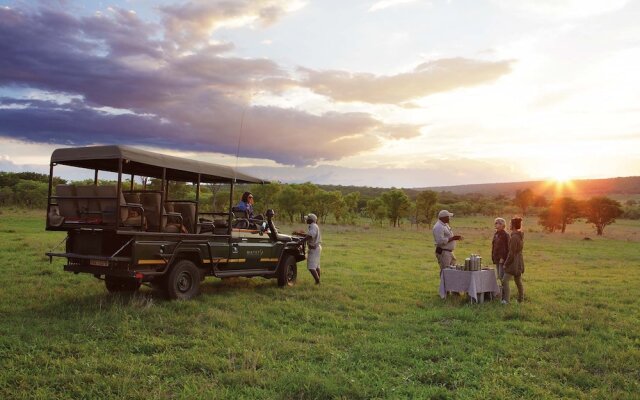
444 213
312 217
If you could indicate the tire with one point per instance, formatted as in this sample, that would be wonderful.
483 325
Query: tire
287 271
121 285
183 282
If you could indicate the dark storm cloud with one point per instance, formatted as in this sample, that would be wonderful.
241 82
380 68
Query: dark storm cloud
195 101
170 87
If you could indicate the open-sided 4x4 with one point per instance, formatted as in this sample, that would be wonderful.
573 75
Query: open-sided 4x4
128 237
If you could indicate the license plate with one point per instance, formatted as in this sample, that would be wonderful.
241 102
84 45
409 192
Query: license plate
99 263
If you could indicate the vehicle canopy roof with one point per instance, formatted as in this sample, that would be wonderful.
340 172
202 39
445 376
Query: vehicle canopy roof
147 163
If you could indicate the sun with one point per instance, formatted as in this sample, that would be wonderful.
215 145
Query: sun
561 183
561 177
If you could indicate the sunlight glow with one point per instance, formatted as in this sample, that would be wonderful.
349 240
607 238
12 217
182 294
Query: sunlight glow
562 177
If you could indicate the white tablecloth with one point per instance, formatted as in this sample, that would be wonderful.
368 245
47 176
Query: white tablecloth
472 282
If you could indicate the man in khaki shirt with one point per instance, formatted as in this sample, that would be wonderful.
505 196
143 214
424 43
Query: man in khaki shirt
445 240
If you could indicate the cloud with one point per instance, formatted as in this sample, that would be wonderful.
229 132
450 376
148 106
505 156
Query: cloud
561 9
144 92
426 79
190 24
266 132
436 172
382 4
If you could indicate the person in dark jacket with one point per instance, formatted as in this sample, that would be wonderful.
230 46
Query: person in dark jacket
500 247
514 264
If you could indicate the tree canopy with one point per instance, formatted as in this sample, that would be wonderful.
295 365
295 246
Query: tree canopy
602 211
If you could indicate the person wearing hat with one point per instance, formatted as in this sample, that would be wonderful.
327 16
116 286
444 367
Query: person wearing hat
445 240
314 243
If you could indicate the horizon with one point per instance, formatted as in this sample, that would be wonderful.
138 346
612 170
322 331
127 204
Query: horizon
85 174
391 93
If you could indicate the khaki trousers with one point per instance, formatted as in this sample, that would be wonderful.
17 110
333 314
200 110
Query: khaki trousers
506 292
445 259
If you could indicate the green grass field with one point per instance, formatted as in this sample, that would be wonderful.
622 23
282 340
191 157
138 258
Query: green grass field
375 328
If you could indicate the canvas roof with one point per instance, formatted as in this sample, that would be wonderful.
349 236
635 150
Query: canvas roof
147 163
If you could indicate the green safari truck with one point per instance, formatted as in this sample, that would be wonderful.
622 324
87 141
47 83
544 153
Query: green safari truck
127 236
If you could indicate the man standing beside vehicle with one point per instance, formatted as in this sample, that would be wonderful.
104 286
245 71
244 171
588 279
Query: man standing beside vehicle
445 240
314 242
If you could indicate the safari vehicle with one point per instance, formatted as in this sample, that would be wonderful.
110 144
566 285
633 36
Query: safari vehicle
128 237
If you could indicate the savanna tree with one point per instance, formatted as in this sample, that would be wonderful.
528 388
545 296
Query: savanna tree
561 212
569 211
290 201
523 200
376 210
549 219
352 199
32 194
426 206
602 211
266 196
398 205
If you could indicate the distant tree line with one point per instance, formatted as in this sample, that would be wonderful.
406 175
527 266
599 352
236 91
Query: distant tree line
25 189
347 204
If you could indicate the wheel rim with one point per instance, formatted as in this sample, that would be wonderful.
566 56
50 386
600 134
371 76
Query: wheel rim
184 282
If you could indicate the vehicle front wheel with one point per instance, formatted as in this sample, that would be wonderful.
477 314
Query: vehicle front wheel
287 271
183 282
121 285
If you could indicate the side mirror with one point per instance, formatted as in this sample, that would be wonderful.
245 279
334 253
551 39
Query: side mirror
270 213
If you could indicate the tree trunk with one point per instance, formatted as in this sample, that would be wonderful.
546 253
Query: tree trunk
600 230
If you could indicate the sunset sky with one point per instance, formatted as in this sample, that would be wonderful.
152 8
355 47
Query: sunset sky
403 93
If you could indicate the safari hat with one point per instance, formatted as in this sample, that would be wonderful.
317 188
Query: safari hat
312 217
444 213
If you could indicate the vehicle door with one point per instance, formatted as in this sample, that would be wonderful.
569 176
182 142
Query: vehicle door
251 250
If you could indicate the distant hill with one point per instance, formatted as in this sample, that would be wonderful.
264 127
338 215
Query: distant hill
578 188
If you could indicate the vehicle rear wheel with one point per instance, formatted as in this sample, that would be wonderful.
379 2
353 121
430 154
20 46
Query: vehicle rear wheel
183 282
116 284
287 271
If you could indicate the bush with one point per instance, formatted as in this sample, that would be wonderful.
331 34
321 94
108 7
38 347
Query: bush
631 212
31 194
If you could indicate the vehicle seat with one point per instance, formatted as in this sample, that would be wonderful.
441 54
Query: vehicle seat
151 203
220 226
240 218
132 197
88 204
108 208
188 212
67 208
205 225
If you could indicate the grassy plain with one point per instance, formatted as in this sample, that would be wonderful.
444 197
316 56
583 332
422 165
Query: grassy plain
375 328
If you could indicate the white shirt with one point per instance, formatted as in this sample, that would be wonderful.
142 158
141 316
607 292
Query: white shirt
441 234
314 232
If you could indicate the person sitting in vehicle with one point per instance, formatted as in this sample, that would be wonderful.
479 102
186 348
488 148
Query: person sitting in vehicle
246 204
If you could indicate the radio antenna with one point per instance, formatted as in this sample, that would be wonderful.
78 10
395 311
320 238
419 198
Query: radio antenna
235 170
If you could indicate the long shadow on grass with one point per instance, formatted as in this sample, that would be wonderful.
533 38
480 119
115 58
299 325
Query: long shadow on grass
67 304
